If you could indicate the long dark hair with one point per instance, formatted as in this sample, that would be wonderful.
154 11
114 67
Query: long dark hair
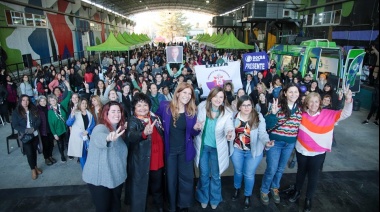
31 107
283 101
254 115
211 95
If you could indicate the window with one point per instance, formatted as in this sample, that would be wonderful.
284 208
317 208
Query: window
323 19
29 19
336 16
25 19
309 19
17 18
40 20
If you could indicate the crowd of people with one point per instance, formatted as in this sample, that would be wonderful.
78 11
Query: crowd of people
147 125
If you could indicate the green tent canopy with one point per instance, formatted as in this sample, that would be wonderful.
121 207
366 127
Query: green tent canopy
129 39
231 42
111 44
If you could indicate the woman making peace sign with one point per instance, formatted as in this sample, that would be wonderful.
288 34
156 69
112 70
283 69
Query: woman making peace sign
146 159
105 169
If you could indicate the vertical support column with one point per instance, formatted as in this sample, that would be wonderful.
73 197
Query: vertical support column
266 35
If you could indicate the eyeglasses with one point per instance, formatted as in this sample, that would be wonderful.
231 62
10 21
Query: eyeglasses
247 106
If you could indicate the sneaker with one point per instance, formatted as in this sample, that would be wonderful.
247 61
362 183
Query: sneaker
63 159
264 198
276 195
71 157
376 122
204 205
214 206
365 122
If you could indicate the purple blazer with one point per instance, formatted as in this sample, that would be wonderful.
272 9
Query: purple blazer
165 114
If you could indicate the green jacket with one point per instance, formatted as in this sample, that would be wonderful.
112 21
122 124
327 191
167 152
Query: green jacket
58 123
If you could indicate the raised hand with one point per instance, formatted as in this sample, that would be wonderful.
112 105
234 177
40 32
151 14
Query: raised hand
86 85
114 135
275 106
348 94
229 135
67 84
269 144
198 125
149 127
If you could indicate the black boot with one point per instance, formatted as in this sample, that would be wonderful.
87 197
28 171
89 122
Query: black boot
307 207
235 196
295 196
247 202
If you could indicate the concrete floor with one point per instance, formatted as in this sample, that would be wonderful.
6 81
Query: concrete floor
349 181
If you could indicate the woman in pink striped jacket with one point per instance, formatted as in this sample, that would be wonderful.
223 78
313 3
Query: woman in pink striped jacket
314 139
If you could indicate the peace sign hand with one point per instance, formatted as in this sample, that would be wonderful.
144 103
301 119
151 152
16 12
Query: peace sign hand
149 128
348 94
275 106
114 135
198 125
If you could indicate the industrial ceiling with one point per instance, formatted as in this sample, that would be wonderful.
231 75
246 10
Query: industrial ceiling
130 7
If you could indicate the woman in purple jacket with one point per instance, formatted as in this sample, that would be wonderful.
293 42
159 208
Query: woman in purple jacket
180 125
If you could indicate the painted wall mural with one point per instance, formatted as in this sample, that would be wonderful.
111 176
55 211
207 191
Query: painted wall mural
62 36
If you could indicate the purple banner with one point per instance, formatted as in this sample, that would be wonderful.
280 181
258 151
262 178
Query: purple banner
256 61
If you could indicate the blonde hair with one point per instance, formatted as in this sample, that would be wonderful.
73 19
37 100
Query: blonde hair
190 107
263 87
307 99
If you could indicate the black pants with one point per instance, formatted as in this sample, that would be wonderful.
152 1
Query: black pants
310 166
48 144
61 144
4 112
11 107
374 109
30 150
156 188
106 199
180 179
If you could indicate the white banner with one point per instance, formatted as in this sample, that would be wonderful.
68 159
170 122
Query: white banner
211 76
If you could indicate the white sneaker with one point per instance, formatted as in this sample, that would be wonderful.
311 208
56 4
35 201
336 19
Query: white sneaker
214 206
204 205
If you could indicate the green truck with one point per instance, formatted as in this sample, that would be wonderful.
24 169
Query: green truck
321 56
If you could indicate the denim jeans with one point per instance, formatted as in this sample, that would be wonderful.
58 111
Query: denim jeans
245 164
209 190
277 158
180 179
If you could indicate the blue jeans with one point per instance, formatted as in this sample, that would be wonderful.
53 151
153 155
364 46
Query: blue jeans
180 179
209 190
245 164
277 158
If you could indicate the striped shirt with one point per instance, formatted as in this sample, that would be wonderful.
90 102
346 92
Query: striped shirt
316 132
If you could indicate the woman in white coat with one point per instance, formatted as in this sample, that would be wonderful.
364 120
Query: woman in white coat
247 148
82 123
211 146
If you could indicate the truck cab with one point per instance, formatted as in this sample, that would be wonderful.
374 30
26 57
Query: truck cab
319 56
